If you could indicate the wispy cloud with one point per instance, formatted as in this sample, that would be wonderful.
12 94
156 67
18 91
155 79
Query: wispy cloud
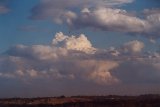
4 9
32 28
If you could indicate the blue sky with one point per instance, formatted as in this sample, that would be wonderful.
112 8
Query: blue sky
113 32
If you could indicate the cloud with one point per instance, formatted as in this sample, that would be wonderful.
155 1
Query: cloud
49 9
138 72
133 47
68 57
117 20
102 14
151 11
101 71
109 19
80 43
73 58
154 21
4 9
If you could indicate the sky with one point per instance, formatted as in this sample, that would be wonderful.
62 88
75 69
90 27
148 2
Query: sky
79 47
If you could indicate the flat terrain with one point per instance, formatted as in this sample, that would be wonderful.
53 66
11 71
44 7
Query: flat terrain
84 101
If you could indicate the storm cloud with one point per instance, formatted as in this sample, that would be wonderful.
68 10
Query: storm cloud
72 57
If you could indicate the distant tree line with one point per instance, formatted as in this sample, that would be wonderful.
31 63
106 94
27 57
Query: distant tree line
97 101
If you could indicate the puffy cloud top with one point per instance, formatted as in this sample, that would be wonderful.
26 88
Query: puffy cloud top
58 61
80 43
73 59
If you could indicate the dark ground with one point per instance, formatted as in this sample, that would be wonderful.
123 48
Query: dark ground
84 101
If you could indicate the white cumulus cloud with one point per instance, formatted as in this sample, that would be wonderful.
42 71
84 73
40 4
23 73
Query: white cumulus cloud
80 43
101 14
109 19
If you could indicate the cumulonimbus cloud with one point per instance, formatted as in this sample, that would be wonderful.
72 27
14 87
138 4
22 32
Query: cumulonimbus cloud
74 58
66 58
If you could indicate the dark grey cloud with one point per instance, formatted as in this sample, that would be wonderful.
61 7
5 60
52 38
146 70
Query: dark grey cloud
138 72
